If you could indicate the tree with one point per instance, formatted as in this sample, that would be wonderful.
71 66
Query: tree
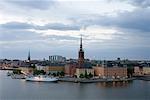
62 73
54 74
90 75
86 75
81 75
38 72
130 71
16 71
58 73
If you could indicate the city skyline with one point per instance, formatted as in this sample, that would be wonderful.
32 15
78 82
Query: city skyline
110 28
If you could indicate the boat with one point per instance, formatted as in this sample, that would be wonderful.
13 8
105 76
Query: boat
18 76
9 74
42 78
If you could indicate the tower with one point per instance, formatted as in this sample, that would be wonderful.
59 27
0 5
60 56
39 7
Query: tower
81 55
29 56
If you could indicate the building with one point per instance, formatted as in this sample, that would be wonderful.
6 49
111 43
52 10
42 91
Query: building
141 71
81 69
70 69
110 72
56 58
81 56
138 70
54 69
146 70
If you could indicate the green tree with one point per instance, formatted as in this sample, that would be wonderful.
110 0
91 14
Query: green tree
54 74
86 74
130 71
62 73
16 71
58 73
81 75
90 75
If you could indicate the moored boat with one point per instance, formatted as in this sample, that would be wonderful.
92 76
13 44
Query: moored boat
42 78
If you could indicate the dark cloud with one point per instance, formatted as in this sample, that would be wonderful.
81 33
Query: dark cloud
137 20
56 37
59 26
17 35
32 4
16 25
140 3
53 26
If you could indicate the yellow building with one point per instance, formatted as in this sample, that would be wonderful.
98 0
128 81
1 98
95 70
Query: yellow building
83 71
48 69
146 70
110 72
138 71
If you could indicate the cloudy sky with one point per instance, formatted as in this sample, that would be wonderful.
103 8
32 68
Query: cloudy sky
110 28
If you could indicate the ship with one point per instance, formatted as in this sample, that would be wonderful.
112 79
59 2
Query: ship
41 78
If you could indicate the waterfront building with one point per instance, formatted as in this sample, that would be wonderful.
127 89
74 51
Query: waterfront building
146 70
54 69
83 71
138 71
81 68
110 72
70 69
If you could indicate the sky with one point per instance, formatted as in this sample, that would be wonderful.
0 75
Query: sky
110 28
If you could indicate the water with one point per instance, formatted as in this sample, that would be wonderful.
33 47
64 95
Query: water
13 89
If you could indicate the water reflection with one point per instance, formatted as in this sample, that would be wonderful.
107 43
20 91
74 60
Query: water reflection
114 84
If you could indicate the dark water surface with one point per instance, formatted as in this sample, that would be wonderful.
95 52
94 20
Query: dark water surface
14 89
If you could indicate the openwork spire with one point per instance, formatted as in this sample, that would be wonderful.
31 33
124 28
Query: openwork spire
81 43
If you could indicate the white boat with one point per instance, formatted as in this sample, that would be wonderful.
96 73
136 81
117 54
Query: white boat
42 78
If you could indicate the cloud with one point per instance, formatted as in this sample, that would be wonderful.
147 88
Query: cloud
16 25
52 26
32 4
18 35
136 20
140 3
58 26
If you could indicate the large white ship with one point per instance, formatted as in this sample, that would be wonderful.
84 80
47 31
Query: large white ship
42 78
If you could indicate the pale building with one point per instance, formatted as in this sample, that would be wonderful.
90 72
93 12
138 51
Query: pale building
80 71
138 70
110 72
146 70
54 69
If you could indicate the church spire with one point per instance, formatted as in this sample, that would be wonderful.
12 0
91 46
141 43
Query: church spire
81 43
29 56
81 55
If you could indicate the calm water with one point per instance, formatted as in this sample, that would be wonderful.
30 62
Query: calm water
13 89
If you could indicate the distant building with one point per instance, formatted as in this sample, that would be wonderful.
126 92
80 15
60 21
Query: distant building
81 68
70 69
110 72
141 70
80 71
138 70
29 58
56 58
50 69
146 70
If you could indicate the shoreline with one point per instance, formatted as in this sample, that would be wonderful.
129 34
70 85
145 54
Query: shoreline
78 80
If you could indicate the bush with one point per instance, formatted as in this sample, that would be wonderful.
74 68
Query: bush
38 72
16 71
81 75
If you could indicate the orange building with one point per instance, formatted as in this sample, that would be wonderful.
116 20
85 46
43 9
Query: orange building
110 72
70 69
